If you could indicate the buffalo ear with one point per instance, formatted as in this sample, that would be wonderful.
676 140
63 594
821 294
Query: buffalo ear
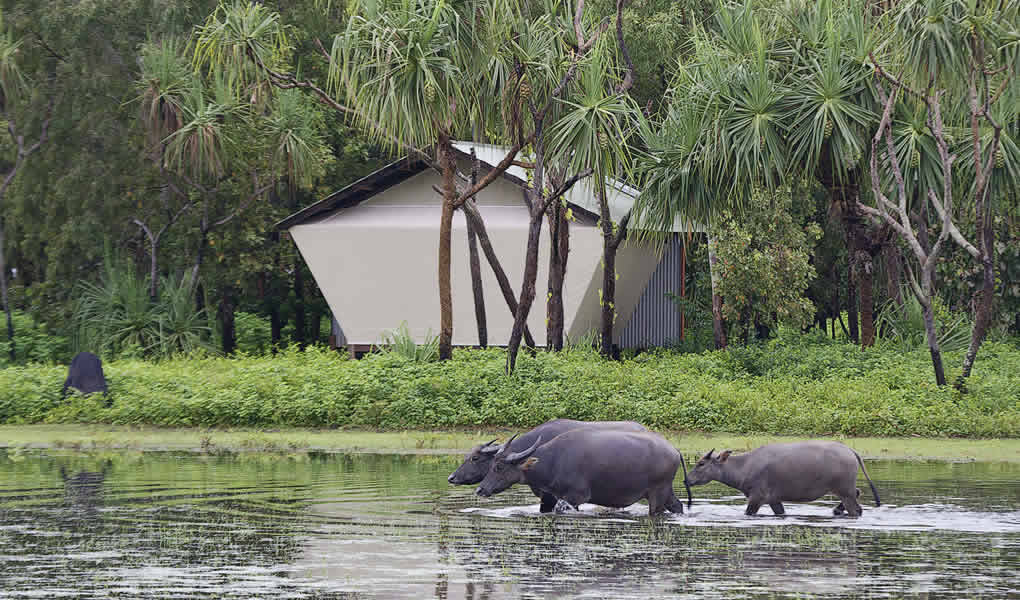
724 455
529 463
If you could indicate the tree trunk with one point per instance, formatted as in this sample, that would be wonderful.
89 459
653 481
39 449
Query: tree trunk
475 264
300 324
3 293
226 316
933 342
446 162
153 271
608 291
893 276
471 212
867 290
559 247
982 317
718 325
527 286
852 315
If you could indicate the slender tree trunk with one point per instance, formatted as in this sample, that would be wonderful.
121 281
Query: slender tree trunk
892 260
559 246
984 301
471 212
852 315
226 315
3 292
475 263
608 292
867 288
718 325
933 342
447 164
527 286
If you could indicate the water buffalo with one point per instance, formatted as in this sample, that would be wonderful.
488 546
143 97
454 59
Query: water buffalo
793 472
600 466
476 463
86 374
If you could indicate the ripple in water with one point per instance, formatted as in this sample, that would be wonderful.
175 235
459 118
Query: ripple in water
165 525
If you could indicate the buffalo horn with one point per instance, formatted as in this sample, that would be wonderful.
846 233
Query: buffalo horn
506 447
516 457
488 448
709 455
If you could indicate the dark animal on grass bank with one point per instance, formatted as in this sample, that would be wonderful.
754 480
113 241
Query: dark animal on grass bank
85 374
476 463
600 466
794 472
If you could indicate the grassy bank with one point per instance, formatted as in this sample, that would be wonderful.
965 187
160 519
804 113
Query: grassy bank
800 386
104 437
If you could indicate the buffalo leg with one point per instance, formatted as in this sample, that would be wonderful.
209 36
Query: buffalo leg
752 508
853 508
777 508
675 505
840 509
548 503
563 506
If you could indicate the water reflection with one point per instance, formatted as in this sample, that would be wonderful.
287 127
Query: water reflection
164 525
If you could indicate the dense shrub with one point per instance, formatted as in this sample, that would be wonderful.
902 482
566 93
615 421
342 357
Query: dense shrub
33 341
805 385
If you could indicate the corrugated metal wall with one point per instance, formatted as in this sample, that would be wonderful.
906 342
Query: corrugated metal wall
656 320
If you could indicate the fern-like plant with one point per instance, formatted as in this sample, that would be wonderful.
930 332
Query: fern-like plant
902 325
400 342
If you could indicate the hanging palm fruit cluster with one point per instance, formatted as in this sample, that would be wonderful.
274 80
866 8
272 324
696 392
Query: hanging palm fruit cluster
915 159
827 129
603 140
524 88
1000 158
430 92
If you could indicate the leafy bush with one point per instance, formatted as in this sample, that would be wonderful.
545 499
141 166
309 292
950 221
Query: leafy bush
33 342
792 384
253 333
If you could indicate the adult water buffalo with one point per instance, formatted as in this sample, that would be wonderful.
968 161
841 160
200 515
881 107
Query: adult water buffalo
85 374
476 463
601 466
793 472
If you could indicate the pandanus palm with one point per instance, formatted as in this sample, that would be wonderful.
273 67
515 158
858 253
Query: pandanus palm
959 67
593 134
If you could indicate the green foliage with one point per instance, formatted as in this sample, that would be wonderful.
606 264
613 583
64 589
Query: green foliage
254 333
116 316
793 384
34 342
902 326
400 342
765 264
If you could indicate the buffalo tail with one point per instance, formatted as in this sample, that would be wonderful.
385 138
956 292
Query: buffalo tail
868 477
690 500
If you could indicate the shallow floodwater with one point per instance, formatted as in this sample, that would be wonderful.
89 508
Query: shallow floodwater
167 525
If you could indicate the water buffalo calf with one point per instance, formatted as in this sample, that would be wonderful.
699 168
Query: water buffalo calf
86 374
600 466
793 472
476 463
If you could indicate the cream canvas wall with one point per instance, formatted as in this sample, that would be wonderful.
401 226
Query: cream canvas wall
377 265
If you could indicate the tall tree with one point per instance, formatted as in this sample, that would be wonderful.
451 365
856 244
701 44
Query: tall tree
18 100
411 74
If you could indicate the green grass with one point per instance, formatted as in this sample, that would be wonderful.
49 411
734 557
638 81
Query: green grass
290 440
794 385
